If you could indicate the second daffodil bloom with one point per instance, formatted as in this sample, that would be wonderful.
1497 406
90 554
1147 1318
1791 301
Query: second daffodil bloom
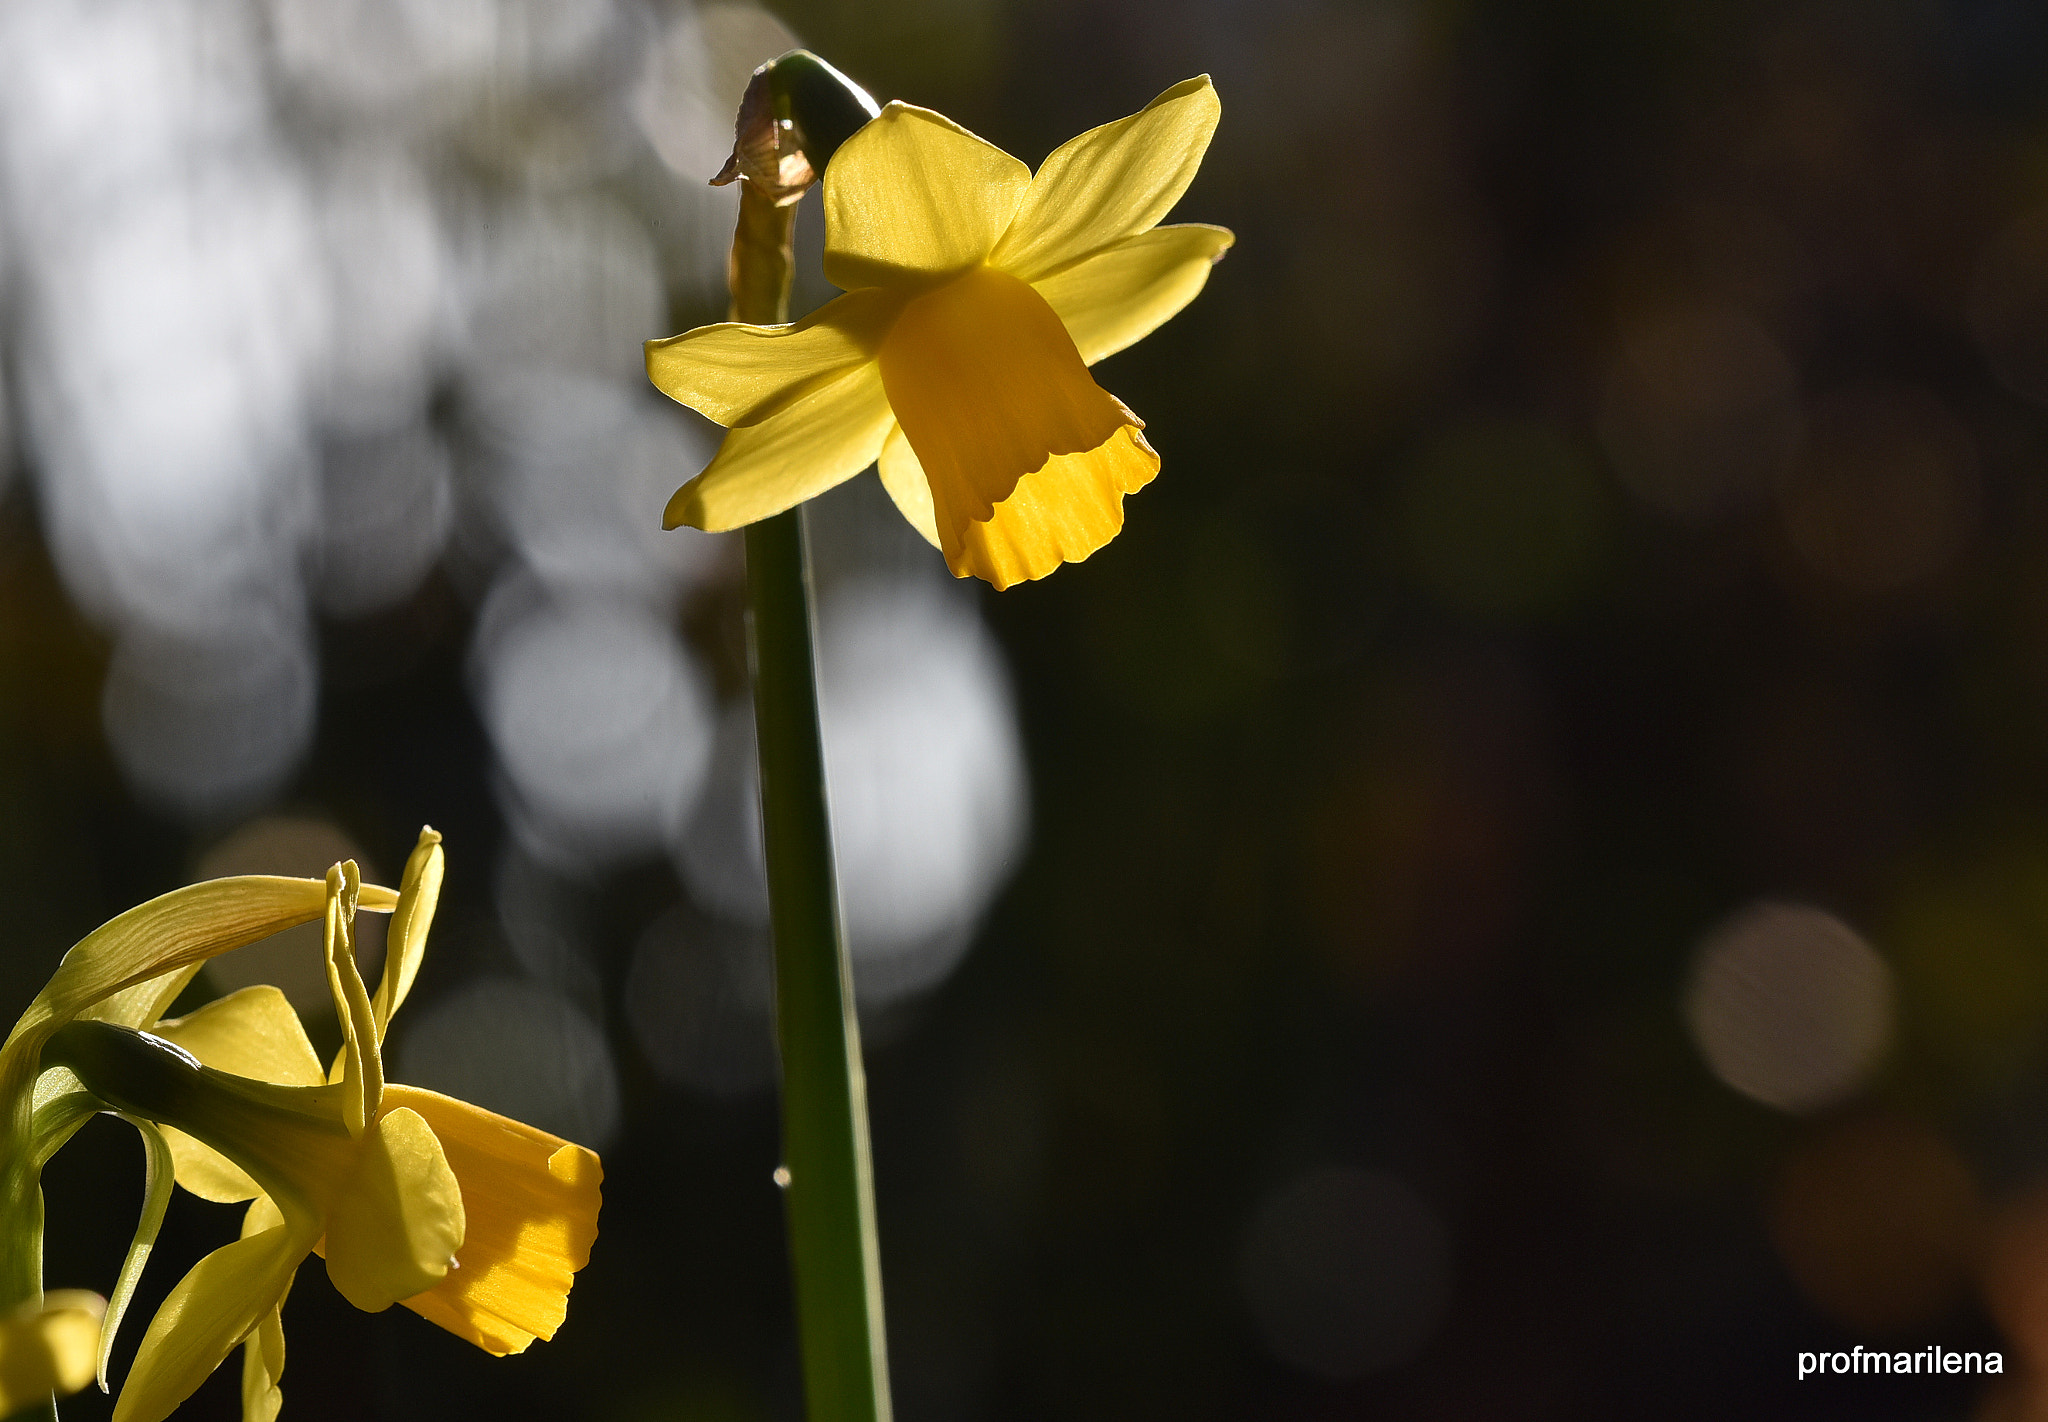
476 1222
977 296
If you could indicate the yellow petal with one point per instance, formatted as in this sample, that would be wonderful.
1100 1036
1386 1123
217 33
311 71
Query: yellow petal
1122 294
740 375
405 942
148 942
54 1349
989 388
262 1366
913 195
1058 514
362 1062
396 1224
820 441
531 1202
253 1033
212 1309
1111 182
904 478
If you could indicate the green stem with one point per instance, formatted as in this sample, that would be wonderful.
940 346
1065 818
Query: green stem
829 1194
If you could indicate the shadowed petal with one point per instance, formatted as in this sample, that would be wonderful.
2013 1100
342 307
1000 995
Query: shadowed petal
904 478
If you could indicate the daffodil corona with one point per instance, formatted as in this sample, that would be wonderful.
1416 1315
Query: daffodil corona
976 298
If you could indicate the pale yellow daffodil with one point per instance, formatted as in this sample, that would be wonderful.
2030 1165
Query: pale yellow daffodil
474 1221
977 295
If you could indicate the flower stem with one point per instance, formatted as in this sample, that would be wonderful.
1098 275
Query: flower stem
829 1194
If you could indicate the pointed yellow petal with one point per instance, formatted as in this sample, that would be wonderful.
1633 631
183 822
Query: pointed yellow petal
362 1062
262 1366
54 1349
913 195
1121 295
530 1201
149 942
904 478
394 1227
212 1309
820 441
989 387
1058 514
1111 182
253 1033
740 375
405 942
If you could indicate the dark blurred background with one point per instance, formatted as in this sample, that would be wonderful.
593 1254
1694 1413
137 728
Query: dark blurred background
1517 888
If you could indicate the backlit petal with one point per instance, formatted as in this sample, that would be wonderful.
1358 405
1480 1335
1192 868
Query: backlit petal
212 1309
253 1033
362 1062
820 441
1110 183
530 1200
396 1224
989 387
151 941
904 478
740 375
913 195
54 1349
405 941
1121 295
1058 514
262 1366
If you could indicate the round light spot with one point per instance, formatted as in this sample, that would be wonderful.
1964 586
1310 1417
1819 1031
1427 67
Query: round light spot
519 1050
1789 1006
1346 1272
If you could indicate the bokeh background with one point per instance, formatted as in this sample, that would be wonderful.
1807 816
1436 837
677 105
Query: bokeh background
1518 888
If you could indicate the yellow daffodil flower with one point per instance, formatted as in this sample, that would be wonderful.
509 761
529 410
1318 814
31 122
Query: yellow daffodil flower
474 1221
51 1347
977 296
125 972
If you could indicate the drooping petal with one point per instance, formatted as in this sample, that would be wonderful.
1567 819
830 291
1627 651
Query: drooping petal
740 375
405 941
395 1225
212 1309
53 1349
1111 182
530 1201
913 196
904 478
989 387
1122 294
1058 514
820 441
